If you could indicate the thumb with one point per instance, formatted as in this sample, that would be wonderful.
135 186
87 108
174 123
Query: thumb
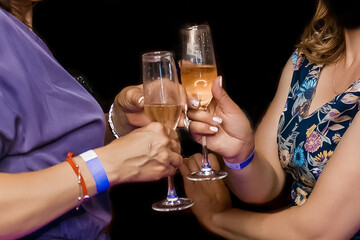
131 99
223 100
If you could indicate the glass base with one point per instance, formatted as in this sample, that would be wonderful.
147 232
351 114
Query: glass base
207 174
168 205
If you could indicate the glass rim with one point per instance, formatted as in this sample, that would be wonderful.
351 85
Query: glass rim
196 27
155 55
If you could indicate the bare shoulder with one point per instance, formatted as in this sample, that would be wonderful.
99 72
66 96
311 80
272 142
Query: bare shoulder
277 105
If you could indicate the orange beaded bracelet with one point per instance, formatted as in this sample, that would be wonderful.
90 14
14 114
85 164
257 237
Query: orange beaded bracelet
81 182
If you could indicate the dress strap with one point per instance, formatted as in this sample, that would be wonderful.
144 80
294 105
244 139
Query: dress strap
294 57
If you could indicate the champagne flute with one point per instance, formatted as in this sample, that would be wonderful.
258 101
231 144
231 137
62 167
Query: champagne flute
198 72
162 104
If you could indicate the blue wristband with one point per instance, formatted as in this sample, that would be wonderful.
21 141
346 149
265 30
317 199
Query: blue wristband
240 165
97 170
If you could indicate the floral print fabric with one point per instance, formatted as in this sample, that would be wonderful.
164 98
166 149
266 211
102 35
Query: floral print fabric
306 141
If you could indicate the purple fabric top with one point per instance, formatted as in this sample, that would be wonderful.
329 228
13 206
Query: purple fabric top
46 113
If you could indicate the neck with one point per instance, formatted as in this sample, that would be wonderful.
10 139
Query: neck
352 42
29 17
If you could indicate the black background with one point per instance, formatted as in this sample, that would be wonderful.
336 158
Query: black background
103 41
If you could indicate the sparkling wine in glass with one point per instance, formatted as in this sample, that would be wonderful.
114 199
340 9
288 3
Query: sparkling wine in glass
198 72
162 104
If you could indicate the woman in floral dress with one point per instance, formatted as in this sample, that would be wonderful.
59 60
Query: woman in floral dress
311 131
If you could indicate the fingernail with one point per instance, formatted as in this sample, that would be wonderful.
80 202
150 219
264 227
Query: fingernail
141 99
220 81
195 103
217 120
214 129
186 109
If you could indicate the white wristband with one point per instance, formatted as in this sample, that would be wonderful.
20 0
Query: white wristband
97 170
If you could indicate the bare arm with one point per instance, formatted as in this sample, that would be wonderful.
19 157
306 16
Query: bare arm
264 174
331 212
31 200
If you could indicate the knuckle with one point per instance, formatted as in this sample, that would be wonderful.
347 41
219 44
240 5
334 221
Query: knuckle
124 94
156 126
177 147
162 171
166 142
171 172
178 162
163 155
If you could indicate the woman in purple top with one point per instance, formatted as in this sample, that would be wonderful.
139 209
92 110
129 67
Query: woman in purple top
45 114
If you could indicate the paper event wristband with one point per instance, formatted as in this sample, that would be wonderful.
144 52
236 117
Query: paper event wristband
240 165
97 170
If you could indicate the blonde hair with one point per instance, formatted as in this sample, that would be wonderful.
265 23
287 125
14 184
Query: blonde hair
18 8
322 41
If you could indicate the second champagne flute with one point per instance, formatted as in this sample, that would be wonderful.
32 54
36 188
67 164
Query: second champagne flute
162 104
198 72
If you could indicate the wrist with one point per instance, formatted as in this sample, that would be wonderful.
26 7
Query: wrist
96 169
89 180
243 153
119 167
217 221
243 158
242 164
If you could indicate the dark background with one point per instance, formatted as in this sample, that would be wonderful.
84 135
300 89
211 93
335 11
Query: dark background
103 42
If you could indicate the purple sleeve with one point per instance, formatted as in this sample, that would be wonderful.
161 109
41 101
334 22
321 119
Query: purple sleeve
45 113
7 127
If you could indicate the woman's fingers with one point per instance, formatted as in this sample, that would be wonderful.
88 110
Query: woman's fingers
203 122
176 160
193 163
190 165
184 106
129 109
223 100
131 98
183 117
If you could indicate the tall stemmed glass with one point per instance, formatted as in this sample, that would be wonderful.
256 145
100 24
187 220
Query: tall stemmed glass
162 104
198 72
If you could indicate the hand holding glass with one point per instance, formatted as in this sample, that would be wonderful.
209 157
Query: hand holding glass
198 72
162 104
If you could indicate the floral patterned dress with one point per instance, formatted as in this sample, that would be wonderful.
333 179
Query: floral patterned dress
307 141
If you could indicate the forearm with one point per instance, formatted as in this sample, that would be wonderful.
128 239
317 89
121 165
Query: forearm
31 200
264 178
287 224
256 183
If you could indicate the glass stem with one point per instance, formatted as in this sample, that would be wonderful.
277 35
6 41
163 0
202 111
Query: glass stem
171 194
205 165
